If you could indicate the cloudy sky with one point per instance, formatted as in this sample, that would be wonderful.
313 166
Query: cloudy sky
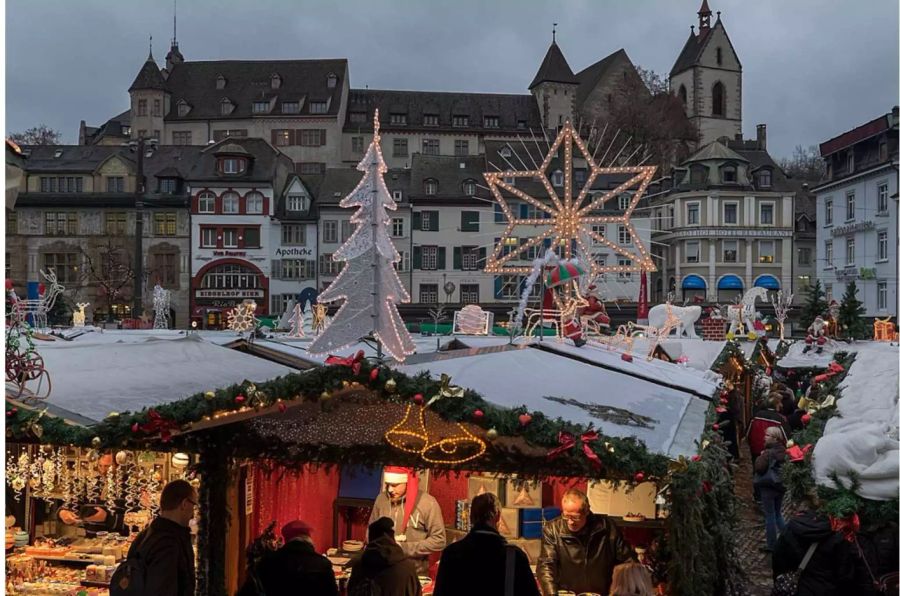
812 68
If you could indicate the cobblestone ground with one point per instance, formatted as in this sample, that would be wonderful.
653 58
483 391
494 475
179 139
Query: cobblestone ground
751 531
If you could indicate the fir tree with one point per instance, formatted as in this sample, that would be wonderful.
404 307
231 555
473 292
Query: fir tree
815 305
850 315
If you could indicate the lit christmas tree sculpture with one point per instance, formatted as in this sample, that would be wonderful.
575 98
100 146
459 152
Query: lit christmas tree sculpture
368 284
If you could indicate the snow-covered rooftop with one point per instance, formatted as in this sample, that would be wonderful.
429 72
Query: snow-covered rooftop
666 419
795 358
864 438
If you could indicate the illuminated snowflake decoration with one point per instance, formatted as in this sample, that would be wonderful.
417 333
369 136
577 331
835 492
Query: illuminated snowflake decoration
568 220
241 318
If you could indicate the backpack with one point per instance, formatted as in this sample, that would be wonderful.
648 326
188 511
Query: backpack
130 578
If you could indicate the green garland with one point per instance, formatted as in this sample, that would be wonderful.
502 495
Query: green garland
624 458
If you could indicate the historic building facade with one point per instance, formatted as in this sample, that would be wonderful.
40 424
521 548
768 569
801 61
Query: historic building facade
856 215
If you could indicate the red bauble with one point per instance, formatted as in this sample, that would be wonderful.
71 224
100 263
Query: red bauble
639 477
9 412
695 458
373 375
723 401
135 427
525 419
41 288
419 398
721 409
9 284
723 395
281 407
805 419
627 357
715 427
239 399
477 415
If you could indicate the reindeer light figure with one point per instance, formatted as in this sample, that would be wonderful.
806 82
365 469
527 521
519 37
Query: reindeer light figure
38 308
319 318
78 315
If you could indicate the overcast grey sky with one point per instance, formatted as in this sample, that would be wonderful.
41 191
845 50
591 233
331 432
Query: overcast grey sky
812 68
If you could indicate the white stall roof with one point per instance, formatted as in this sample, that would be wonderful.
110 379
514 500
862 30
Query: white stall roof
93 378
666 419
795 358
864 438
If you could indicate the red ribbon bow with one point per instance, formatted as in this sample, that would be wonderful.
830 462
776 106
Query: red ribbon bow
157 423
833 369
354 362
567 441
798 453
848 526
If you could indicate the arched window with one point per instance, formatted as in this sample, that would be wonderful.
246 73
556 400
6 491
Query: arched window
276 81
254 202
230 276
682 95
718 99
468 188
230 202
431 187
206 202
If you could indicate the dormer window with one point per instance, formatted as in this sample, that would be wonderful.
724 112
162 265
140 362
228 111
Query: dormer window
492 121
468 188
260 107
126 131
232 165
431 120
318 107
729 174
226 107
431 187
220 82
297 202
557 178
398 119
254 201
183 108
699 174
357 117
522 124
332 80
276 81
460 120
168 186
764 178
290 107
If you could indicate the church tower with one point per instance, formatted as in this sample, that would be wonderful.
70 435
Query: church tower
707 78
554 88
149 101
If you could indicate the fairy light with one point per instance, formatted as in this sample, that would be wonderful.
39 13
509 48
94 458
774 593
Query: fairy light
568 219
411 435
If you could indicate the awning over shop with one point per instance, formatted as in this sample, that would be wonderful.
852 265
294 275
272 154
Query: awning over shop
768 282
693 282
731 282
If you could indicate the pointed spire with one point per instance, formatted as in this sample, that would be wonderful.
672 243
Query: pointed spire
554 68
150 57
174 56
554 32
149 76
705 14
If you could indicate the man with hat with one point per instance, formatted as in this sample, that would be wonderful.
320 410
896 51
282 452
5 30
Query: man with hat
297 565
383 567
418 523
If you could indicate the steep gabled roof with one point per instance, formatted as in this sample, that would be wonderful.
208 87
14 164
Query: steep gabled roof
593 74
554 69
690 53
149 77
716 151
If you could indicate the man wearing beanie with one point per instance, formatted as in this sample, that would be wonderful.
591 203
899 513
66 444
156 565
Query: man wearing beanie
297 565
418 523
383 568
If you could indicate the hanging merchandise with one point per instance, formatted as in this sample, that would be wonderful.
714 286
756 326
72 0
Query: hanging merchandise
368 284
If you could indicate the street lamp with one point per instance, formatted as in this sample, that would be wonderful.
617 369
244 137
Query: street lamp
139 146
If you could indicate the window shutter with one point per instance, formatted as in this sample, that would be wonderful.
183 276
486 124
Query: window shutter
276 269
274 134
482 257
417 220
457 257
498 287
322 137
417 257
435 226
442 258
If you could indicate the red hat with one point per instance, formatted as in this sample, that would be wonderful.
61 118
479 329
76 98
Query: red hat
397 475
295 529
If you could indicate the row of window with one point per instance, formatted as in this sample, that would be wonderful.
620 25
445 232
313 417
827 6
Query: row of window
231 203
468 294
850 250
156 109
164 267
229 237
766 251
765 214
115 184
286 137
458 120
850 205
65 223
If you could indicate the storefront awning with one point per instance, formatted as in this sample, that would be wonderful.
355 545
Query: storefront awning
768 282
731 282
693 282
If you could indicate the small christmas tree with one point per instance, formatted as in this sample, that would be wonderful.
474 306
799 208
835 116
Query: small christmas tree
850 314
815 305
369 284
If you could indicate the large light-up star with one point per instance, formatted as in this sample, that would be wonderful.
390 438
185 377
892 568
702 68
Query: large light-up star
568 220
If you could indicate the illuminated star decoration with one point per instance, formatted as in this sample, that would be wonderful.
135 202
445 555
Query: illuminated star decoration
568 220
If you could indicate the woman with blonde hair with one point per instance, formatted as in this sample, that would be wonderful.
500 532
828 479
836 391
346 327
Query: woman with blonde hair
631 579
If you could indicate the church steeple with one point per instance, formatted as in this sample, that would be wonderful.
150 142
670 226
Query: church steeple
705 15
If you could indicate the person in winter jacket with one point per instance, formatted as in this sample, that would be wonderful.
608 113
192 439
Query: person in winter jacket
297 565
832 570
580 549
771 488
418 522
165 545
478 563
756 431
383 569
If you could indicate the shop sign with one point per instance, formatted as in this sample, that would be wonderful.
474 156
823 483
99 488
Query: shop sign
230 293
734 232
229 253
851 228
847 274
293 252
867 272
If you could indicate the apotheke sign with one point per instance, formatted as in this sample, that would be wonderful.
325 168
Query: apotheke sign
293 252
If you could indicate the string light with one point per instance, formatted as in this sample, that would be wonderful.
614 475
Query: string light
567 219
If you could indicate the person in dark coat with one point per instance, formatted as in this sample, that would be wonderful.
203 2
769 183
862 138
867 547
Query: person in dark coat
580 549
771 493
383 568
296 567
165 545
478 564
831 571
762 420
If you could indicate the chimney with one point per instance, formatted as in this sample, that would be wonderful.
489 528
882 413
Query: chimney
761 136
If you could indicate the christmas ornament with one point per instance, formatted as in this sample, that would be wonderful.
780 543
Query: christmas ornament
477 415
325 395
805 419
281 407
180 460
209 395
96 442
122 457
112 415
390 386
567 441
373 374
695 458
447 390
524 419
627 358
419 398
639 477
241 318
492 434
239 399
368 285
715 427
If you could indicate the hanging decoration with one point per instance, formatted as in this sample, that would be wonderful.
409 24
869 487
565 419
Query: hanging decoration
567 441
568 221
241 318
368 285
161 305
354 362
